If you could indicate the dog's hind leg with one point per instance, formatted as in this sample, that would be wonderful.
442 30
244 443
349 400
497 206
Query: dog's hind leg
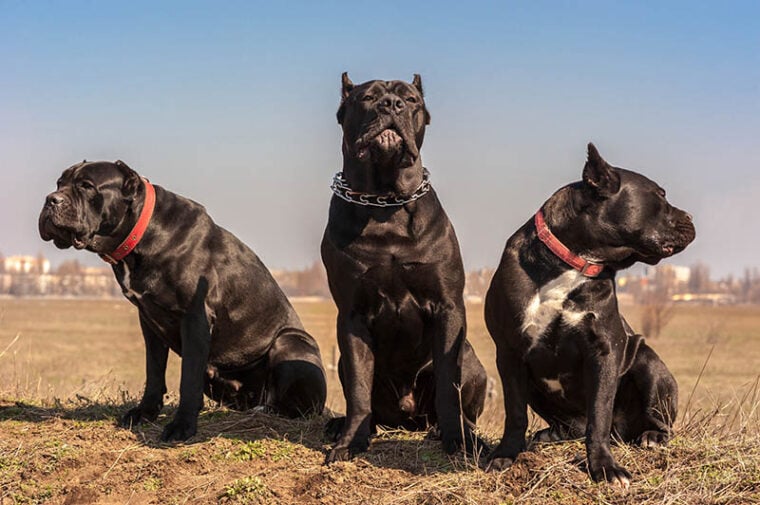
647 401
563 425
296 385
196 342
474 385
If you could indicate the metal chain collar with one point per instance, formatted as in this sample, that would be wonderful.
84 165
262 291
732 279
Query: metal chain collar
342 190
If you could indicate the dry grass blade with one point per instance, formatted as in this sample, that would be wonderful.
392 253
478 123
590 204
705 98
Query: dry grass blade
15 339
696 383
69 450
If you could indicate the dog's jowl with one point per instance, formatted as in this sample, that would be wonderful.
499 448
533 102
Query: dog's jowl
562 346
199 292
396 275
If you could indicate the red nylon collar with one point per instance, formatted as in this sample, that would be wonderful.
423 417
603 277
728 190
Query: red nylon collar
138 230
585 267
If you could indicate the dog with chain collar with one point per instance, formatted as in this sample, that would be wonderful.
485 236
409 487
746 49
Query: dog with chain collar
396 274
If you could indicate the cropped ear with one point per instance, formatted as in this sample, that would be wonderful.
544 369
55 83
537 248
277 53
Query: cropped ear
346 87
417 83
599 175
132 180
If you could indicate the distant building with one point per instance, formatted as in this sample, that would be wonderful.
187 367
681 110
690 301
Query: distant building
32 276
705 298
26 265
679 274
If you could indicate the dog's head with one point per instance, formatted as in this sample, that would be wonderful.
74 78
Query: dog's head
383 121
91 200
626 217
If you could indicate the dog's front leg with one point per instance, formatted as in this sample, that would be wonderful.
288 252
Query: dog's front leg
156 354
601 378
448 348
196 342
514 373
358 362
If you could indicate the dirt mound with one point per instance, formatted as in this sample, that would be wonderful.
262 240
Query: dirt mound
75 454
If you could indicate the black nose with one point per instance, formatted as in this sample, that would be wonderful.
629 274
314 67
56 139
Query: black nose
53 200
391 103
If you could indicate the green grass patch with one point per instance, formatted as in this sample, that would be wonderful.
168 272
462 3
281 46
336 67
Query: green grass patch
246 490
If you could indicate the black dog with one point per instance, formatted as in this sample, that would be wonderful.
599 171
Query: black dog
396 275
562 346
200 292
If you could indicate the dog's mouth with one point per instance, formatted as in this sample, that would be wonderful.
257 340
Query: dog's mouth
683 236
661 251
387 136
77 242
673 243
669 250
63 236
657 252
389 140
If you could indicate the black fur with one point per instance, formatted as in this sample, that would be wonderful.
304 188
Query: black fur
200 292
396 276
607 379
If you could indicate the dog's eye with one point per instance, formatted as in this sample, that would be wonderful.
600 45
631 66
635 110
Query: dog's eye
661 192
411 99
86 185
367 98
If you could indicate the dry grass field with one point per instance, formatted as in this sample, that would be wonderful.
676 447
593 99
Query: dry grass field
68 368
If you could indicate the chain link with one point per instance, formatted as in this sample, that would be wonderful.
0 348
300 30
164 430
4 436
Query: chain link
342 190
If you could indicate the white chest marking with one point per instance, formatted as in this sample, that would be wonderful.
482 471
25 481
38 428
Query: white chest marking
547 304
554 385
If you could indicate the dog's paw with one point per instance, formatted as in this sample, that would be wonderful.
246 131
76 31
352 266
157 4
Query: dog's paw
499 464
179 429
503 456
608 470
333 428
434 433
653 439
338 454
345 453
472 444
135 416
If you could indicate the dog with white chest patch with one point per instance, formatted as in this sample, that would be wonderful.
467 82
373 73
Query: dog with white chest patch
563 348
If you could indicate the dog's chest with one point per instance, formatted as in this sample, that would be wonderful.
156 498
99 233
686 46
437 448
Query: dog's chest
162 320
551 302
125 281
396 301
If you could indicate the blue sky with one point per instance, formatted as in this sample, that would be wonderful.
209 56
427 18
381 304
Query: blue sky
233 104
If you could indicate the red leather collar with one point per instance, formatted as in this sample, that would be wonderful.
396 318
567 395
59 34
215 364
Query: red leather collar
138 230
585 267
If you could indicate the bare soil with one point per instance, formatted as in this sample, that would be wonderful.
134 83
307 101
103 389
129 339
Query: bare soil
69 368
